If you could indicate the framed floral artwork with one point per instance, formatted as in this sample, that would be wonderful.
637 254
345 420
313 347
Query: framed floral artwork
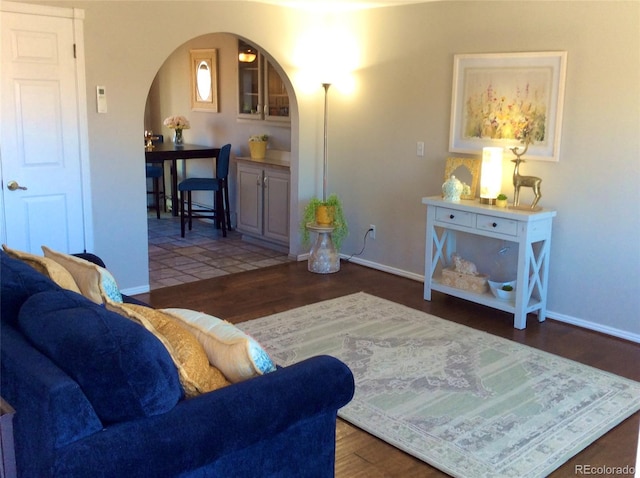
500 99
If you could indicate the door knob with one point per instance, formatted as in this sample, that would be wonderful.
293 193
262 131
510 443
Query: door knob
13 186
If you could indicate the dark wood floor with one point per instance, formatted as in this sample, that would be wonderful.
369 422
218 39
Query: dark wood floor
262 292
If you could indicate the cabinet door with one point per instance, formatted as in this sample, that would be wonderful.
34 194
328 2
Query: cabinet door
249 82
276 205
262 95
249 199
277 98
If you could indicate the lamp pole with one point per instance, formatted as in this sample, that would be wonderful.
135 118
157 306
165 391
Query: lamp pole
324 170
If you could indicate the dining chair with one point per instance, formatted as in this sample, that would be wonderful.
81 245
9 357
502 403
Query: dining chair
219 185
155 172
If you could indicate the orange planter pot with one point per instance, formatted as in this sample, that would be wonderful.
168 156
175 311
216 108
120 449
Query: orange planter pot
325 215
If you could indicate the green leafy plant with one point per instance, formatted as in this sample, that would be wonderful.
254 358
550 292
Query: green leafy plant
341 229
507 288
259 138
502 197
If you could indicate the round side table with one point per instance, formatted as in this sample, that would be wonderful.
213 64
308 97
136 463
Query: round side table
323 257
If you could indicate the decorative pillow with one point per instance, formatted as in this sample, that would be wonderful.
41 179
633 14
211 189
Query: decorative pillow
124 371
237 355
96 283
196 374
46 266
19 282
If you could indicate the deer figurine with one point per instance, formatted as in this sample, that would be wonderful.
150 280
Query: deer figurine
526 181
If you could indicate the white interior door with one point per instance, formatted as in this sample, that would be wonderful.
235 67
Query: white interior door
40 137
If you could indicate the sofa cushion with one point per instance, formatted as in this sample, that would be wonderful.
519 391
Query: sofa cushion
46 266
124 371
197 375
236 354
96 283
19 282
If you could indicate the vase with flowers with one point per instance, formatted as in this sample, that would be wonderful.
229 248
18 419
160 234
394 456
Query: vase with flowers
258 146
177 123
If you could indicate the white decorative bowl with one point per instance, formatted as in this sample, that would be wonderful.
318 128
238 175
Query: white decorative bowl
496 290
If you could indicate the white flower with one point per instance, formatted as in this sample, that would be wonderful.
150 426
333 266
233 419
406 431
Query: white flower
177 122
258 137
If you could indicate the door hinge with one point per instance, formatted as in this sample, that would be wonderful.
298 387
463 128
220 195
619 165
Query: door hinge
74 51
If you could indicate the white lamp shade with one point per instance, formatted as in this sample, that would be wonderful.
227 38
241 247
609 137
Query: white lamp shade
491 176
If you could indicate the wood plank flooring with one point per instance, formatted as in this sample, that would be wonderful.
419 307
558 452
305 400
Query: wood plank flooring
253 294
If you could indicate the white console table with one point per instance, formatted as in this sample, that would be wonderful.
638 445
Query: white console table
526 228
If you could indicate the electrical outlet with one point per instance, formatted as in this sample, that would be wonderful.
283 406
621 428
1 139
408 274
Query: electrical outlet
420 148
372 228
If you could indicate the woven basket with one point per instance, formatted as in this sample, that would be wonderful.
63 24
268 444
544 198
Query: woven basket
468 282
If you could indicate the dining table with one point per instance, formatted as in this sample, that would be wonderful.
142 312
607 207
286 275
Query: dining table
172 152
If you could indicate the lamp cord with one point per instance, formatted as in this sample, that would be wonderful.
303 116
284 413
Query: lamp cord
364 244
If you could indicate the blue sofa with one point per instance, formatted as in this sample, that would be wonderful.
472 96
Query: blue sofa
79 414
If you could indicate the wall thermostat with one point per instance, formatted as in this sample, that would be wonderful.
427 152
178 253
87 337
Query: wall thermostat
101 99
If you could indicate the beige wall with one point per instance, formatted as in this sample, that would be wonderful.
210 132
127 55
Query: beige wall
402 95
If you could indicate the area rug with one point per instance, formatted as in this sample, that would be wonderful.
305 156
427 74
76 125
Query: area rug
468 403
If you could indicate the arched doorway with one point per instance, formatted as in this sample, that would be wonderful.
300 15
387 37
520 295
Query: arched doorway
203 253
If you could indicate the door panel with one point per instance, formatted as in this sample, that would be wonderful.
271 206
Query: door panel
276 206
40 135
250 199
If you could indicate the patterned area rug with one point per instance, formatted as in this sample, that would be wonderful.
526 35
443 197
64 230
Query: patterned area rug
469 403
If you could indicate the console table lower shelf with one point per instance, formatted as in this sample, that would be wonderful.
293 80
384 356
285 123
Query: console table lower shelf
485 298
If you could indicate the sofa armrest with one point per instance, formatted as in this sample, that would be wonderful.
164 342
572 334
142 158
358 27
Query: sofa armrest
201 430
51 409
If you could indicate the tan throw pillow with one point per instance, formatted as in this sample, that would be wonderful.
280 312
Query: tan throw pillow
237 355
96 283
196 374
46 266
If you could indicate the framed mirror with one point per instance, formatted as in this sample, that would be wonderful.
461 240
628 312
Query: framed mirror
204 80
467 171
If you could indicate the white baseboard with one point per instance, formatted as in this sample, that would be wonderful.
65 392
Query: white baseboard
383 268
585 324
143 289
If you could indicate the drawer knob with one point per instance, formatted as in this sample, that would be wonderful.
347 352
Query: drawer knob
451 216
495 224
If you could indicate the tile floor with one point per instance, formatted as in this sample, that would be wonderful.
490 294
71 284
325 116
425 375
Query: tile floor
203 253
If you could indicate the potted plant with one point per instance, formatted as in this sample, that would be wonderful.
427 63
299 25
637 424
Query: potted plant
327 213
501 200
258 146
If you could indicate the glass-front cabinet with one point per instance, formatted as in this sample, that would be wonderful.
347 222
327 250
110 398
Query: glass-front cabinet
262 95
277 98
249 79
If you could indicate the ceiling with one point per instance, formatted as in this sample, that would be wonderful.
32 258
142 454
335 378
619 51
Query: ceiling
336 5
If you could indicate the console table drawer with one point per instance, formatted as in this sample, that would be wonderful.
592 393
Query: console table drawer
497 224
453 216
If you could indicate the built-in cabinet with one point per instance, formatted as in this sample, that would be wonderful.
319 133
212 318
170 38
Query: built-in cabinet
263 199
262 95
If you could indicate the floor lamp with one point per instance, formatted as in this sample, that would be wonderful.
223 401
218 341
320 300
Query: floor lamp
325 156
323 257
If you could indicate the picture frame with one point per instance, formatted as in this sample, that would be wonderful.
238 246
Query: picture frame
467 170
495 95
204 80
